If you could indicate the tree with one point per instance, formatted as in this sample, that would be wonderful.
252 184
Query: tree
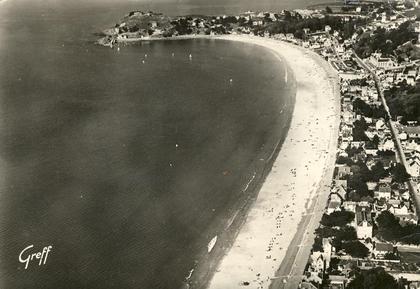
375 278
404 101
378 171
399 173
355 249
391 256
384 41
317 246
359 128
389 226
356 183
351 151
390 229
387 153
328 10
368 110
343 233
337 219
342 160
376 140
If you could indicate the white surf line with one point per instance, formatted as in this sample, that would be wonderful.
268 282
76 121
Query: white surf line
249 182
274 151
190 275
230 222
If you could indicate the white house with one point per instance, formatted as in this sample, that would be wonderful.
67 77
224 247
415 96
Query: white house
381 249
380 124
413 132
386 145
383 191
381 62
413 165
364 224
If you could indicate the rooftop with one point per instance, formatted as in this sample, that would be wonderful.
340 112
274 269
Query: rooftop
363 215
411 129
384 247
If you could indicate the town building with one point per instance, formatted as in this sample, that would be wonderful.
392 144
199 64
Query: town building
364 224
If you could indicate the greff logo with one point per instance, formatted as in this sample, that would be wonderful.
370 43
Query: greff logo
25 256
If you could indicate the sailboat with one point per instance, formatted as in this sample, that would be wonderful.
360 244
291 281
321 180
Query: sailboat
211 244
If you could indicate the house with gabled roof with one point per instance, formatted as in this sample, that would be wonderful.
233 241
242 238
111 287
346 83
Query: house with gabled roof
350 206
412 132
380 124
413 165
334 205
364 223
386 144
381 249
337 282
383 191
339 190
343 171
371 185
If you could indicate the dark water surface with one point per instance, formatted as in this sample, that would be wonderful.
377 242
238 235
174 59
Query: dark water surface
126 168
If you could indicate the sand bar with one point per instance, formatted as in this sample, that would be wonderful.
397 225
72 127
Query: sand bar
297 182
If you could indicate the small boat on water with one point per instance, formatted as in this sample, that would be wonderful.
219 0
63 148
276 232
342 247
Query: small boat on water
211 244
190 56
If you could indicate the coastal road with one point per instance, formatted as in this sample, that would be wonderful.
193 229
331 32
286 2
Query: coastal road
290 273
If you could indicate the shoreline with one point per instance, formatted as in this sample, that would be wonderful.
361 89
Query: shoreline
259 245
272 222
208 262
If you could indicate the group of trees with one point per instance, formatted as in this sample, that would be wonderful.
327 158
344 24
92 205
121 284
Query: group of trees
375 278
357 181
361 107
344 237
362 174
377 172
355 249
360 126
399 173
359 129
384 41
404 100
390 229
296 24
337 219
182 26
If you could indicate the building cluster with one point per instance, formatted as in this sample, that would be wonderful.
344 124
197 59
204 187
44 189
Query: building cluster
367 139
378 153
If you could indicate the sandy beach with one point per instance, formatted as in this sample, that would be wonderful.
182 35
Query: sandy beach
296 189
